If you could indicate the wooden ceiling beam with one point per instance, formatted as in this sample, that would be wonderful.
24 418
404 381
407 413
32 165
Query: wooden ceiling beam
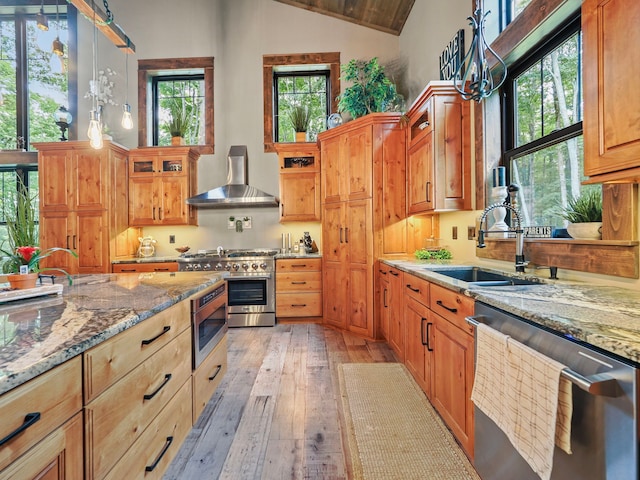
110 30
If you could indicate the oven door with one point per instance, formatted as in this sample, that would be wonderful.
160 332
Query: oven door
251 294
209 324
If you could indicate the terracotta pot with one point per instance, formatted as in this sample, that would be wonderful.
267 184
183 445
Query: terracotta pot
301 136
177 140
20 282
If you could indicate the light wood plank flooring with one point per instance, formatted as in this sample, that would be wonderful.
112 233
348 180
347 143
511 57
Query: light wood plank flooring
276 414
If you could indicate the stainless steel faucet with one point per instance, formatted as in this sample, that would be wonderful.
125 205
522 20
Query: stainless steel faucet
520 262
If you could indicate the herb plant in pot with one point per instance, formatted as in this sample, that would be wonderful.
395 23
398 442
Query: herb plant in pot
584 214
300 116
22 256
178 121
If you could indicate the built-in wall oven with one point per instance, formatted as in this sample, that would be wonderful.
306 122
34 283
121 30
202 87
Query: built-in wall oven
209 322
250 283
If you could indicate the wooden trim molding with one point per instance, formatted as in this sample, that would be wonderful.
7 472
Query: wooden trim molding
149 67
270 61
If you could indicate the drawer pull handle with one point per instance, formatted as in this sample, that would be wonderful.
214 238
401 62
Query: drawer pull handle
382 272
298 304
164 330
429 346
212 377
149 396
29 419
158 269
299 265
127 270
417 290
452 310
395 274
151 468
384 296
298 283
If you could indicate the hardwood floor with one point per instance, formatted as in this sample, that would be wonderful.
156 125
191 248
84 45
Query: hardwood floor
276 413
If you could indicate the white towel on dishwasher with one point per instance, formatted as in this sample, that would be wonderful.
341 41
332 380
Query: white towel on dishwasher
523 395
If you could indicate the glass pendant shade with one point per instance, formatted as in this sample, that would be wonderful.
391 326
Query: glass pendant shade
127 120
95 130
58 47
42 21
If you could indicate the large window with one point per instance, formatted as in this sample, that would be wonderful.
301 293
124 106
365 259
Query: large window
544 128
9 182
33 80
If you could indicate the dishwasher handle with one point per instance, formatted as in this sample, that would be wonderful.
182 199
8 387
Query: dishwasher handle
599 384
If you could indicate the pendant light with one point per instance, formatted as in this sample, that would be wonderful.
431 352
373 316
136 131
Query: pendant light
127 121
58 46
473 78
95 127
41 19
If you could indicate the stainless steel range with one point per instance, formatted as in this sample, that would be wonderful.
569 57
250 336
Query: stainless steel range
250 284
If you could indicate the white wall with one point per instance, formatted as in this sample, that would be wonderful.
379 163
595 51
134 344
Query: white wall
237 33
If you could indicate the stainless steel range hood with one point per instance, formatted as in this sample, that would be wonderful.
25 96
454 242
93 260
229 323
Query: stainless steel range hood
237 192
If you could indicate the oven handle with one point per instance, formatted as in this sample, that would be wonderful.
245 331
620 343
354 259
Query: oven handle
250 277
598 385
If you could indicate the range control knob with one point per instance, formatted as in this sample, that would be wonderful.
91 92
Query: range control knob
263 266
197 267
227 267
206 266
236 267
254 266
245 266
188 267
219 266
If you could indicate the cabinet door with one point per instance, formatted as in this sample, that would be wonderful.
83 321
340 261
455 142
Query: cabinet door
92 242
452 380
418 323
299 196
142 201
172 209
396 313
420 175
333 232
57 229
391 191
335 285
383 302
55 180
90 179
333 175
611 71
358 237
356 160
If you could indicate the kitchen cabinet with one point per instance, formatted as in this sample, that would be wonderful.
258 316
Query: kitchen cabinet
439 156
299 288
145 267
83 198
160 181
207 377
382 294
363 210
418 324
130 382
397 322
610 72
299 182
49 408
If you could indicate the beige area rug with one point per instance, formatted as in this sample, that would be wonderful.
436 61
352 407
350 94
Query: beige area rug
393 431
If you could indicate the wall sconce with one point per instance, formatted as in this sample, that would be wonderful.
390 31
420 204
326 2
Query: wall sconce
474 67
63 119
41 19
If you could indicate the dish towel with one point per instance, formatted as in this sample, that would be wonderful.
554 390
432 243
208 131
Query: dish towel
534 406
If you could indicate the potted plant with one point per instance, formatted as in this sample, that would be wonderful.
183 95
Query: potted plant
300 116
584 214
178 121
371 91
22 256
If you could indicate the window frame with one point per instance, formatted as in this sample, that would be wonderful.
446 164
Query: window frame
269 62
174 66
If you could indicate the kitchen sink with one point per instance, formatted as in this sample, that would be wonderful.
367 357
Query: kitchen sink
485 278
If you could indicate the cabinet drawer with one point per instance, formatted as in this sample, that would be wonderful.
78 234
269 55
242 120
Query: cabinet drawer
117 417
208 376
417 288
159 443
111 360
299 282
145 267
298 264
55 395
451 306
299 305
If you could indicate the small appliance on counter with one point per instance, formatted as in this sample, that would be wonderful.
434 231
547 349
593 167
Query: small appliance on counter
147 246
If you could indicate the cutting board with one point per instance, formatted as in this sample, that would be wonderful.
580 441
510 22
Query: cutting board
7 295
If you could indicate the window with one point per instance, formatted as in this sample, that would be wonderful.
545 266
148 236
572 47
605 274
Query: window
307 89
309 79
544 109
33 80
176 87
9 182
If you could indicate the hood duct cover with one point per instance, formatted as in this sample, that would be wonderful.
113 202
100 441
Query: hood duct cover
237 192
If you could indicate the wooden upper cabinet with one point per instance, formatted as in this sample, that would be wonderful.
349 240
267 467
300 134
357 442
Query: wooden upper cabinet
299 182
611 70
439 131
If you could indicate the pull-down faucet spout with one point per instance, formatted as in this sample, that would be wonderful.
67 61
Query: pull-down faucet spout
520 263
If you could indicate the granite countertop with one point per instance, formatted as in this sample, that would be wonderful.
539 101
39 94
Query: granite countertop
284 256
603 316
38 334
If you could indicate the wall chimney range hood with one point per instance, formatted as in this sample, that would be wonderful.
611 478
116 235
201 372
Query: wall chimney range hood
237 192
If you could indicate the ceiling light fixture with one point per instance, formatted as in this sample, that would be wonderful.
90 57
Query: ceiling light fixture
473 78
58 46
95 126
127 121
41 19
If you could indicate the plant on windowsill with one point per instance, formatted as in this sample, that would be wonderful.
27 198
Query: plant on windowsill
22 257
300 117
584 214
178 121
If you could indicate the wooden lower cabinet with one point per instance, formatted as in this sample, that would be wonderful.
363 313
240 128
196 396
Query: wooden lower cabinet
208 376
397 322
382 294
144 267
418 358
299 288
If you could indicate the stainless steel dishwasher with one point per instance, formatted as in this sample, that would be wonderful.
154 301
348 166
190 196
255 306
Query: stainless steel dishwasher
604 427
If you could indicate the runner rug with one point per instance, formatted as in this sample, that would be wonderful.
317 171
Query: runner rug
392 429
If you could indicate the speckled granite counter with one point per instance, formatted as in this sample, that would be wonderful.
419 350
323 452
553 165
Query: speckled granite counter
38 334
603 316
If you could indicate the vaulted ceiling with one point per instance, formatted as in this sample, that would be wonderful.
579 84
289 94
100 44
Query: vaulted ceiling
384 15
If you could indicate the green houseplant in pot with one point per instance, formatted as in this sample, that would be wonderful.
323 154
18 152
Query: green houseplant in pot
584 214
178 121
20 250
299 117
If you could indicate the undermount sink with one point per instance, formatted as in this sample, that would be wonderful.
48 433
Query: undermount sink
481 277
